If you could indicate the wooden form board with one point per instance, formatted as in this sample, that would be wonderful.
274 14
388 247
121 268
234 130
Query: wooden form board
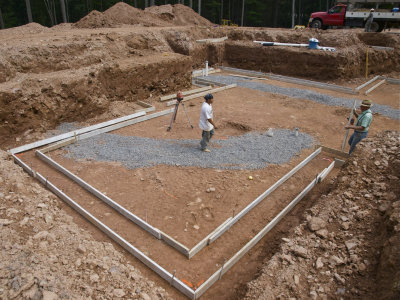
203 81
392 80
205 241
231 262
203 72
248 77
186 93
367 83
335 152
216 40
74 133
104 130
203 93
145 104
316 84
249 207
124 124
122 210
294 80
174 281
374 87
58 145
171 279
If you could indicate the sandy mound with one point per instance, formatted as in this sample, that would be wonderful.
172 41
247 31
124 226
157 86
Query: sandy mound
31 28
94 19
120 14
123 13
179 14
187 16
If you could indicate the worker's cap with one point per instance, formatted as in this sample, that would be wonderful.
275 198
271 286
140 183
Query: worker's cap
366 103
372 9
208 97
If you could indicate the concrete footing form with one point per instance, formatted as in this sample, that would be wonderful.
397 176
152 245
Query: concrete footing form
84 133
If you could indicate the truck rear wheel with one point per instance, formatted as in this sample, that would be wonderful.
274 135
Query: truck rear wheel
316 24
375 27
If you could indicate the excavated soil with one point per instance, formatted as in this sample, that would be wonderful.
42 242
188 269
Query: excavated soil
339 242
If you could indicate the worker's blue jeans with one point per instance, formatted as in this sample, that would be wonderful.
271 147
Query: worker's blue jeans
206 137
355 138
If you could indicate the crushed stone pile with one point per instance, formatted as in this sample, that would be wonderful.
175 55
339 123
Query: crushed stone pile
249 151
347 246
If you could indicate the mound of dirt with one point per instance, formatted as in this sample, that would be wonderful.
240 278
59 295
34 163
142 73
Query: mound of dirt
31 28
187 16
121 14
179 14
125 14
94 19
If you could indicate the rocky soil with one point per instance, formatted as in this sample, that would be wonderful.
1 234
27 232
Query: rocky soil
45 255
348 245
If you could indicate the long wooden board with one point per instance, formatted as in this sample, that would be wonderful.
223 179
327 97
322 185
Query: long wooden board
203 93
172 280
74 133
249 207
234 259
186 93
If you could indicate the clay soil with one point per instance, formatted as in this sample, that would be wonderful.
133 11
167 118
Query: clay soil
98 68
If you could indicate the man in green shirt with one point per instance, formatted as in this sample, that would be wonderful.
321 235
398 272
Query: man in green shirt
364 120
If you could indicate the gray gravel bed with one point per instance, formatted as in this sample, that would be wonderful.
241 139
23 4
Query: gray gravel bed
301 94
249 151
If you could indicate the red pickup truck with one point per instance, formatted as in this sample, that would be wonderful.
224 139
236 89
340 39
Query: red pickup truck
340 16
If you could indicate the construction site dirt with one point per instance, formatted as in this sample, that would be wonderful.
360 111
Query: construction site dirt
102 67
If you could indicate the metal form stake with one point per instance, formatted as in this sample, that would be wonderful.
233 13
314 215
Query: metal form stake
222 269
366 65
348 123
172 278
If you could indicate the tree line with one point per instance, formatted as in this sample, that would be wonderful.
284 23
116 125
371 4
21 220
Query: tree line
254 13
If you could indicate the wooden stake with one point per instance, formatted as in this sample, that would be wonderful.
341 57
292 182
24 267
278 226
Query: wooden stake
348 123
366 65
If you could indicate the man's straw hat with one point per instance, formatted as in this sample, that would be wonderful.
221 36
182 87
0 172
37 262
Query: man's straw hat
366 103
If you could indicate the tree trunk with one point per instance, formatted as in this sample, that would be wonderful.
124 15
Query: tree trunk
299 21
64 15
1 20
241 23
146 3
199 8
293 7
54 13
29 11
151 2
191 3
276 14
222 10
